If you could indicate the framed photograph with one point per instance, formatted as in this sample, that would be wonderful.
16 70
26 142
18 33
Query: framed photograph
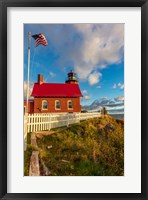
73 99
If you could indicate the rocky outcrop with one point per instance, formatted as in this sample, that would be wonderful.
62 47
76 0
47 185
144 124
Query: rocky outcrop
34 164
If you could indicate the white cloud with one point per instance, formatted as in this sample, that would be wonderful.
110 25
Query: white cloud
87 97
114 86
25 89
119 98
102 45
83 71
87 47
84 91
98 87
94 78
121 86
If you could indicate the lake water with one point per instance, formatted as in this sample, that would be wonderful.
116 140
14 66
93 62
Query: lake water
117 116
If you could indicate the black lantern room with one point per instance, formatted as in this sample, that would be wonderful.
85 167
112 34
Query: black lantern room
71 78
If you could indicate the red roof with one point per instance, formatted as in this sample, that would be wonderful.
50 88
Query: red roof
56 90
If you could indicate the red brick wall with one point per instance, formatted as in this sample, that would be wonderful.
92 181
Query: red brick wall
51 105
30 106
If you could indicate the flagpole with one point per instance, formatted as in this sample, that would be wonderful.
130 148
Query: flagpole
28 76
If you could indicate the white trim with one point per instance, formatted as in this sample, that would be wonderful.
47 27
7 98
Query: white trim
55 105
42 105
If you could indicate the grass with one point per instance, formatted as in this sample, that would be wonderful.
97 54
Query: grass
27 155
85 149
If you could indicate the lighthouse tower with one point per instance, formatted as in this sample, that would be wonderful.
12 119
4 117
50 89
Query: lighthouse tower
72 79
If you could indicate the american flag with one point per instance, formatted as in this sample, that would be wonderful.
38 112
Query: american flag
40 39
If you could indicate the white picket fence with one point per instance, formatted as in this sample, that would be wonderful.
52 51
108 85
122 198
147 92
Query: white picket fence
40 121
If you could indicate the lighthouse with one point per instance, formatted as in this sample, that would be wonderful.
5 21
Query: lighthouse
56 97
72 79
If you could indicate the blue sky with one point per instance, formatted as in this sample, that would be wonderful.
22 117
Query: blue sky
94 51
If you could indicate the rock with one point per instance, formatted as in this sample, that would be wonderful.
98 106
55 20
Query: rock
66 161
49 147
104 130
33 140
34 169
109 127
45 171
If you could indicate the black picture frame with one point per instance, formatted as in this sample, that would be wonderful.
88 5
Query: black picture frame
4 4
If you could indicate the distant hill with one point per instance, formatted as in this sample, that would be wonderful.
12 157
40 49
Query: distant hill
110 104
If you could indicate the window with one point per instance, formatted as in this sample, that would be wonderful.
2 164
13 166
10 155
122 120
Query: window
44 105
57 105
70 104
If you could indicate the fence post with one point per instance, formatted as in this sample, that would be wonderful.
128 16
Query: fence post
79 117
49 127
25 130
68 120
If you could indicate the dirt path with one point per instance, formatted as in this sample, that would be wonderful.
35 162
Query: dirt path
44 133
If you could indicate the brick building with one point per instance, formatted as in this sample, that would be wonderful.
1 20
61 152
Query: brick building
56 97
30 106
